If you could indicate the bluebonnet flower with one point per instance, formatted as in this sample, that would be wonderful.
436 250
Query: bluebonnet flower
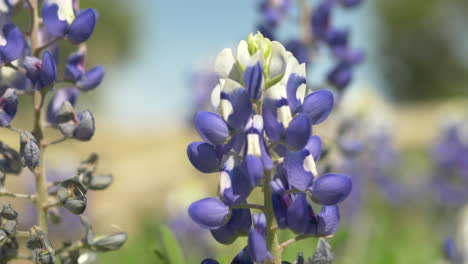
337 39
11 43
450 176
262 111
8 106
76 72
42 73
62 19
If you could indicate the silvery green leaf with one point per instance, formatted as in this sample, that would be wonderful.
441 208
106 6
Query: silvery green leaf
97 182
110 243
323 253
85 129
29 150
71 194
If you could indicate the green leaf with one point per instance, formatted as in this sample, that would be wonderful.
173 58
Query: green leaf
168 251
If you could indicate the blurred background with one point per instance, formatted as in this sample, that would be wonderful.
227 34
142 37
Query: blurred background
407 101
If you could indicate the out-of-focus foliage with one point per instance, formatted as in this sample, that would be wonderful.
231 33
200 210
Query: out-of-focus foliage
423 46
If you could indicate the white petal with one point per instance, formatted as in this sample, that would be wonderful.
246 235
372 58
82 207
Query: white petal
243 55
224 63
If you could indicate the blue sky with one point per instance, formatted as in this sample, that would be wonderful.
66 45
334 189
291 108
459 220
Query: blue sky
176 36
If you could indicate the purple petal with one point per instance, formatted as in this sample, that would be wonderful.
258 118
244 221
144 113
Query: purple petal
8 107
260 223
14 45
317 106
349 56
294 81
91 79
337 37
331 189
253 169
340 76
314 146
298 176
243 257
203 157
72 73
83 26
239 224
209 213
209 261
273 128
51 21
235 95
328 220
211 127
257 247
48 72
299 214
298 132
62 95
253 76
350 3
320 18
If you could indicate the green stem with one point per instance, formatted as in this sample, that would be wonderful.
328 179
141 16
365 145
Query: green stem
272 240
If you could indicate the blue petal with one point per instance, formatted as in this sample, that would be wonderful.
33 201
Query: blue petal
241 186
320 19
72 73
62 95
91 79
257 247
314 146
267 31
211 127
295 80
83 26
349 56
337 37
299 217
298 132
253 168
317 106
253 76
280 209
350 3
239 224
204 157
8 107
266 158
51 21
48 72
209 213
273 128
299 50
328 220
237 97
298 177
209 261
451 251
340 76
243 257
260 223
14 43
330 189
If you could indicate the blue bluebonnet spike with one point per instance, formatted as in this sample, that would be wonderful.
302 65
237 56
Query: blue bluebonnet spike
299 50
11 43
320 19
340 76
331 189
253 78
299 214
62 95
204 157
257 246
298 132
300 168
209 213
209 261
211 127
317 106
61 19
8 107
238 225
328 220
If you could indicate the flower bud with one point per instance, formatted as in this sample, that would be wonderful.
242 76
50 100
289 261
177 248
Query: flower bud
98 182
111 242
29 150
71 194
85 129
